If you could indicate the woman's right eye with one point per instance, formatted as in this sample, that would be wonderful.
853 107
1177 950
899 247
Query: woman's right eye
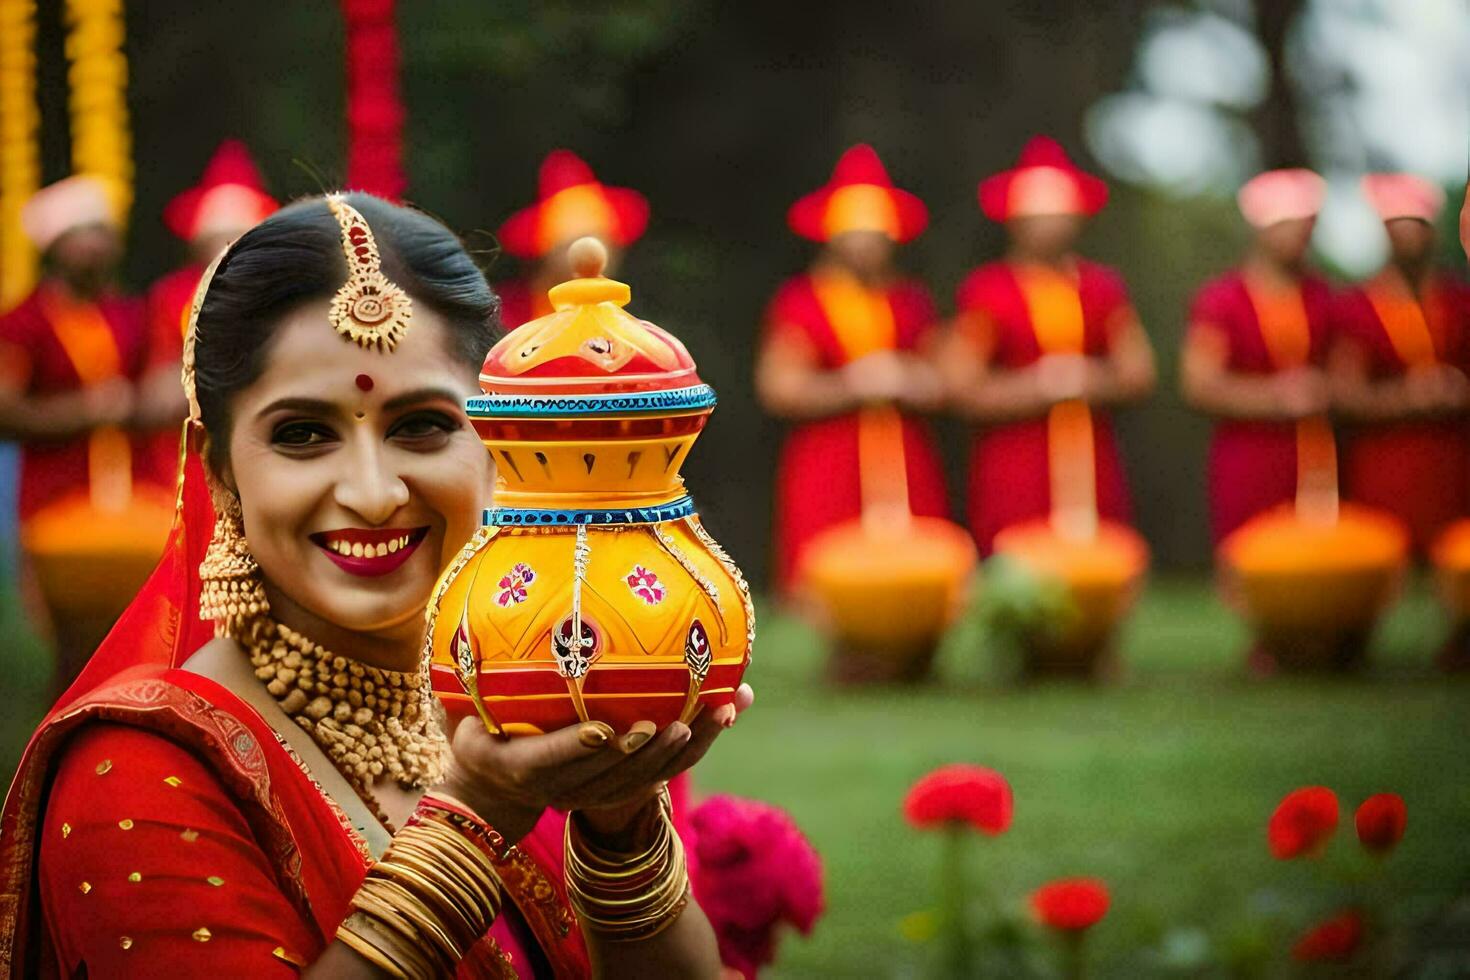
302 435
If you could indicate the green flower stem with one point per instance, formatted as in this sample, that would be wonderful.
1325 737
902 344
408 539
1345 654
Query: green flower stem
954 930
1074 954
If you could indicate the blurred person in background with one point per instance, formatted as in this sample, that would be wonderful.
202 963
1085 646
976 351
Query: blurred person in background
571 202
1397 367
850 333
1255 349
1038 328
71 355
228 201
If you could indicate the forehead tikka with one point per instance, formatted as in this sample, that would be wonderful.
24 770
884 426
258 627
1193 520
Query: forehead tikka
369 310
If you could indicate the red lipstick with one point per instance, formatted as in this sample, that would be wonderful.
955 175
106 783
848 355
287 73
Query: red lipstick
370 552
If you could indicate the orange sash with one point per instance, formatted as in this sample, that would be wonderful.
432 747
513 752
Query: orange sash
88 342
1403 319
860 318
862 321
1282 318
1054 308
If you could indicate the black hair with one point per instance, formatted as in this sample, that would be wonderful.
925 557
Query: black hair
295 256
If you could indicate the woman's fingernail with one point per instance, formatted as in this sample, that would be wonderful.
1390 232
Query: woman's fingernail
725 715
639 734
595 734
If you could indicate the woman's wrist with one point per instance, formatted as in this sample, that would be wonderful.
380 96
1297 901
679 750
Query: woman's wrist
431 896
633 892
512 819
623 827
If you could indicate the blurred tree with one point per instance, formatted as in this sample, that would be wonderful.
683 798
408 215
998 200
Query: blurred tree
1277 118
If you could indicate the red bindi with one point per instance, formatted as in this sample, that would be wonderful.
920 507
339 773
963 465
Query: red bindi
364 383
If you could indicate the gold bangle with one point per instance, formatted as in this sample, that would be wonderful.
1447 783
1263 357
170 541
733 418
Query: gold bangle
385 950
628 898
429 899
364 948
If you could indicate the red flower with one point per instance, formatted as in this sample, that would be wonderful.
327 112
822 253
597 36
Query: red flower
961 793
1381 821
1304 820
754 871
1332 940
1071 904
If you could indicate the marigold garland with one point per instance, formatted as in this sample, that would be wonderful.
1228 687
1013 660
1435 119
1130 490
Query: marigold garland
20 155
101 143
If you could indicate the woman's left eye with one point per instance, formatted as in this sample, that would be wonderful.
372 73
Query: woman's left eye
423 427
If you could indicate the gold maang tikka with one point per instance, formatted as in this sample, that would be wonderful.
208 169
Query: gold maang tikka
369 309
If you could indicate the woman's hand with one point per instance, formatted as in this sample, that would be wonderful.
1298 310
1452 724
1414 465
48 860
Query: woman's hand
510 781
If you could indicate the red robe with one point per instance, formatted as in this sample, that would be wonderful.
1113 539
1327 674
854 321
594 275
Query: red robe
49 346
1416 469
818 481
1252 463
1010 476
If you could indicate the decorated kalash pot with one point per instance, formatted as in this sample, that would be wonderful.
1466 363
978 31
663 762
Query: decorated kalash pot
592 591
1098 564
1312 577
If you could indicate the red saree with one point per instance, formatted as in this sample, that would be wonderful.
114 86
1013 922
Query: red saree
1417 469
1253 463
1010 476
158 825
818 483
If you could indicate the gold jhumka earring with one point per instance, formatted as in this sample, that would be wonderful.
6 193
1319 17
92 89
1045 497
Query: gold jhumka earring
230 588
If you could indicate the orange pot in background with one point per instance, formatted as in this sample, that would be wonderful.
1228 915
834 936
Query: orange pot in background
90 564
1450 555
889 590
1102 574
1312 590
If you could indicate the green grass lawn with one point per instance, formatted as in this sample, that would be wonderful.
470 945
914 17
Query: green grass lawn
1161 783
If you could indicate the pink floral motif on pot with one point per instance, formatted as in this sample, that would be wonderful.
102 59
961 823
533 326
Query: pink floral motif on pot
513 584
645 585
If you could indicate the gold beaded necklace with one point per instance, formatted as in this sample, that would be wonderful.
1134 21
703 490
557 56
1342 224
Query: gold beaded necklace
370 722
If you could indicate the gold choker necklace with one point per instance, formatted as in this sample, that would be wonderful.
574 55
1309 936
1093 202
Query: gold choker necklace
370 722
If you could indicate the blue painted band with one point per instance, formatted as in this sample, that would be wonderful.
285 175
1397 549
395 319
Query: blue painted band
692 398
534 517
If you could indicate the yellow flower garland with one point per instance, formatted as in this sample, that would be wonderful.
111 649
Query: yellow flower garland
101 143
20 154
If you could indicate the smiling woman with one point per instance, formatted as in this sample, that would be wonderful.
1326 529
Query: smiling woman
283 799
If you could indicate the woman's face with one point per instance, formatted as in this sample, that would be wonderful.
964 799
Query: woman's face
358 472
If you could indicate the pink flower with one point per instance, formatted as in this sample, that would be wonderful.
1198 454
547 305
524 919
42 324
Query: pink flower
754 871
1303 822
645 585
961 793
